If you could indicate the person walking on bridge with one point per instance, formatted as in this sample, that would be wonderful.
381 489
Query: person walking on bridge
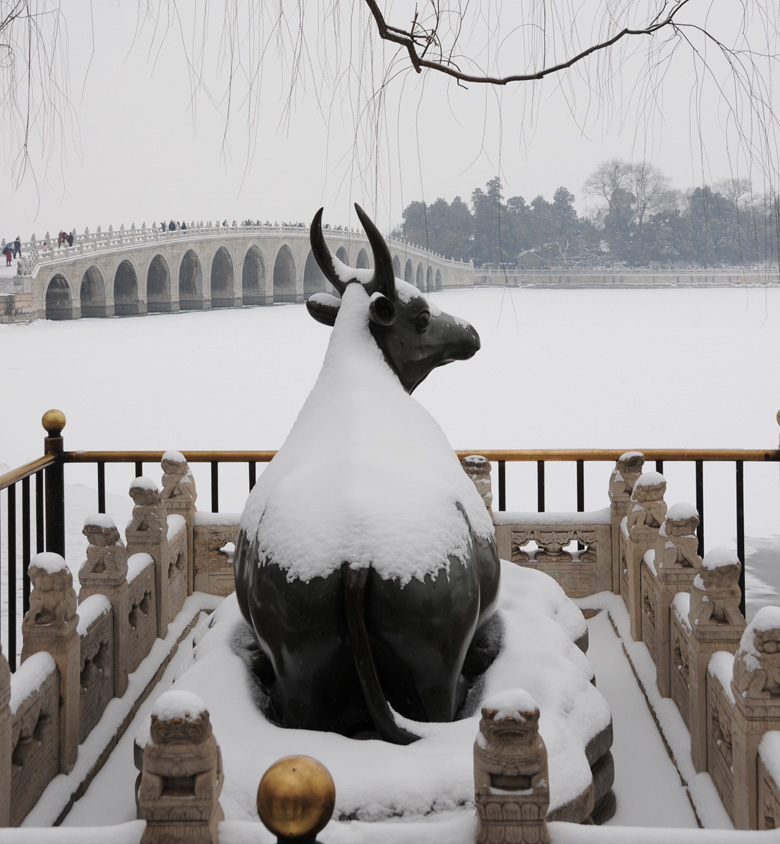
18 247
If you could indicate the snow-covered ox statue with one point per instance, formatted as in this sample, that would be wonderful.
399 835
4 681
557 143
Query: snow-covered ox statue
366 561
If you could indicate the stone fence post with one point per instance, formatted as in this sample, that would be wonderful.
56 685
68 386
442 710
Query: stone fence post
621 485
147 533
677 563
756 687
6 740
646 514
181 775
716 625
478 468
179 496
51 625
105 573
511 784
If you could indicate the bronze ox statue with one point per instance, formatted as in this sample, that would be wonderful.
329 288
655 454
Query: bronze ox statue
348 631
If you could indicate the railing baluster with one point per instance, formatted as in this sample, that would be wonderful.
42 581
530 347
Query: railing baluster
502 484
740 490
139 468
252 475
101 482
40 527
540 485
26 545
659 466
11 530
580 486
214 486
700 504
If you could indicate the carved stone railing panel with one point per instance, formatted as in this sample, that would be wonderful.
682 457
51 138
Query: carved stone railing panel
142 609
680 657
36 734
213 561
96 628
648 587
720 751
769 781
177 550
548 542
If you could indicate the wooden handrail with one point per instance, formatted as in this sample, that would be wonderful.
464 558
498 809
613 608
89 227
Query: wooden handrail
27 470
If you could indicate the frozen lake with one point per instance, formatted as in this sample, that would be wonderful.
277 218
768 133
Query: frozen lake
624 369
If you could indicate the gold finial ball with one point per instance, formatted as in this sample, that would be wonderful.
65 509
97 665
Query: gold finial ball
778 417
296 796
53 422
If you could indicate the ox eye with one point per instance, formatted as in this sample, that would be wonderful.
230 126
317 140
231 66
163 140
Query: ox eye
422 320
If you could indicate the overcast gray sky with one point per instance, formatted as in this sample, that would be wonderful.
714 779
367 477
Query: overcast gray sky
143 140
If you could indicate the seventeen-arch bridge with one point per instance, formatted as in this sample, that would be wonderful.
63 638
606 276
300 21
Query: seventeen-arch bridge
138 271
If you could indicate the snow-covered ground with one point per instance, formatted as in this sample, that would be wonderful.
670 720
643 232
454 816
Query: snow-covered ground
617 369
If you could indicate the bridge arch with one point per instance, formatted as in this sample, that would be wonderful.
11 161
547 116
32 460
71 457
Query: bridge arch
342 255
409 271
429 279
126 301
362 260
396 266
158 285
438 280
284 275
93 293
420 278
191 281
313 279
59 298
222 279
253 277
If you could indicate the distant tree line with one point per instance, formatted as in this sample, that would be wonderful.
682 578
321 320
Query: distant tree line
637 219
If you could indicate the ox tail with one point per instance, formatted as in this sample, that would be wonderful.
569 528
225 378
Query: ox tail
355 581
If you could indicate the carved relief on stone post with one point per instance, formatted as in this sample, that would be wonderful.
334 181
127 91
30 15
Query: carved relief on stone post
50 625
621 484
147 533
677 563
716 625
511 784
478 468
181 776
647 511
105 573
756 687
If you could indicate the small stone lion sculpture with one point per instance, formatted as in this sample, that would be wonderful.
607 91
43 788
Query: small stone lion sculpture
648 509
178 483
757 663
715 593
106 553
181 777
52 600
148 512
678 545
627 471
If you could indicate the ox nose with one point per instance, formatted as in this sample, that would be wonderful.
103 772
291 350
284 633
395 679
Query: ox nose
472 343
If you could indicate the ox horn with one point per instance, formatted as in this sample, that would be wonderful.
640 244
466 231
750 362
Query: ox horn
384 274
322 254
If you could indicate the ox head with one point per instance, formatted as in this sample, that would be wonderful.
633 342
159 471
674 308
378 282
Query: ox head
413 337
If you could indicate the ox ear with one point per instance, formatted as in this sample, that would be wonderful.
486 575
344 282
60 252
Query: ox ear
381 310
324 308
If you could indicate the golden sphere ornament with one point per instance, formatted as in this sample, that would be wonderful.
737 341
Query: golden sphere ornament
296 797
53 422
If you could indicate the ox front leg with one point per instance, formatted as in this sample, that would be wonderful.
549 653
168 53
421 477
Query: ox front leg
420 634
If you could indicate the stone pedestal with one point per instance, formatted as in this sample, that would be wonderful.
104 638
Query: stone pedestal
181 776
105 573
50 625
756 687
147 533
6 742
716 625
179 496
511 784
